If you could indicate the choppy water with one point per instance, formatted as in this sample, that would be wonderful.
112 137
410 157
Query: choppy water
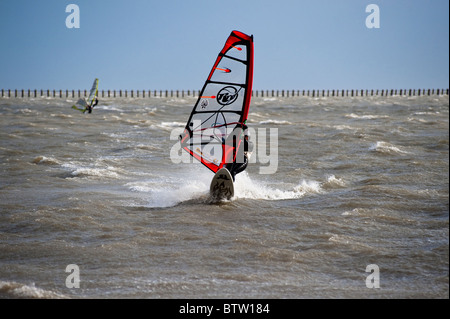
359 181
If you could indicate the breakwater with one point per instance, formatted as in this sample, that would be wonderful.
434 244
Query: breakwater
195 93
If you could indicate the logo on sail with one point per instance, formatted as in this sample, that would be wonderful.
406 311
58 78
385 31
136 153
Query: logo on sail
227 95
204 103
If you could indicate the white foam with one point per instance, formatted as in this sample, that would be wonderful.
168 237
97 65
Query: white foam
343 127
333 181
169 191
18 290
366 117
168 196
109 108
245 187
107 171
353 212
384 147
276 122
172 124
172 191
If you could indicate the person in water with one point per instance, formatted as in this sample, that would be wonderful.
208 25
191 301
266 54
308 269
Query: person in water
240 165
90 107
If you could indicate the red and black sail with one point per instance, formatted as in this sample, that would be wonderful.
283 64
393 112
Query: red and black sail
223 104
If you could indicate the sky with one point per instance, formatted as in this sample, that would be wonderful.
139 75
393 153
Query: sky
159 45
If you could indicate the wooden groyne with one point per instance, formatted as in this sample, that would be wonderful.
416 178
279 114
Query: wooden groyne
193 93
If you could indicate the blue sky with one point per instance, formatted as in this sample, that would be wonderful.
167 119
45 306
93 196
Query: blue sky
145 44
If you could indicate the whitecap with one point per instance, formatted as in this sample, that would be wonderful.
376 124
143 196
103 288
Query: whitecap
172 124
45 160
107 171
366 117
18 290
332 181
386 148
277 122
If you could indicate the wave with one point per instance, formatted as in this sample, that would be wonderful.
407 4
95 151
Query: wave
366 117
172 124
343 127
97 172
146 147
275 122
14 290
45 160
427 113
386 148
112 107
333 182
62 115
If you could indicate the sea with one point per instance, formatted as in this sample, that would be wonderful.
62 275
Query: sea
344 198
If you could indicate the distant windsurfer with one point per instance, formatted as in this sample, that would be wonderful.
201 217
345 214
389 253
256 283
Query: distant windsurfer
238 166
90 107
88 104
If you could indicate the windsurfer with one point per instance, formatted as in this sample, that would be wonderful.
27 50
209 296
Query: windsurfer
90 107
238 166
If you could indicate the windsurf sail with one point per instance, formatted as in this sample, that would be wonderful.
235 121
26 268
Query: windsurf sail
81 105
93 93
223 105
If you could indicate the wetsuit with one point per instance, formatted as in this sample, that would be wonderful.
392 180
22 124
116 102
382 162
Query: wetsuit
90 107
238 167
